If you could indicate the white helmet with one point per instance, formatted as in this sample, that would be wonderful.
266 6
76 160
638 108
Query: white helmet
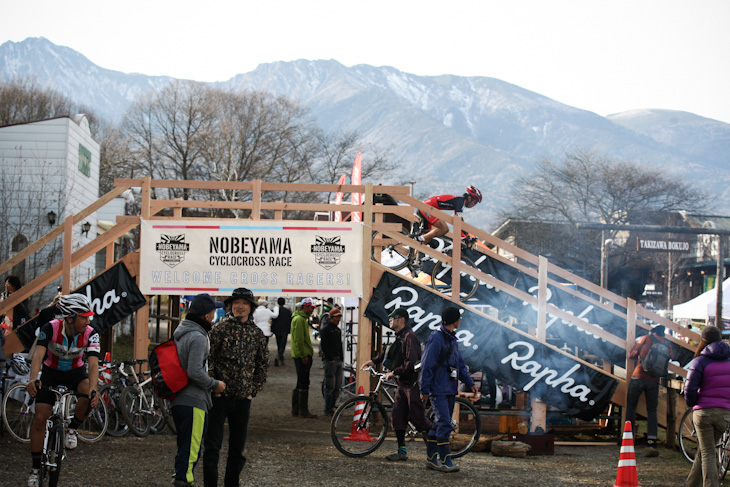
74 305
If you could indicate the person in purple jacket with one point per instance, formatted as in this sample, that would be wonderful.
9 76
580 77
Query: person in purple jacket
707 392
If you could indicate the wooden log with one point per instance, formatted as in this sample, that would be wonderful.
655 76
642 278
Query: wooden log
514 449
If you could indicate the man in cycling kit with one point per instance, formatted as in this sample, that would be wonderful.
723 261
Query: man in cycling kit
439 228
60 351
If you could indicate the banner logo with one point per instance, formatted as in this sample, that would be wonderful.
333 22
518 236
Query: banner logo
328 251
172 249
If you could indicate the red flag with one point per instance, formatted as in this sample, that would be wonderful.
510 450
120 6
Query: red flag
357 198
338 198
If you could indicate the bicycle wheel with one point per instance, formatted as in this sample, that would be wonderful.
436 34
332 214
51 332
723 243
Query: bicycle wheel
167 404
96 423
157 418
55 453
18 412
441 279
394 254
723 450
687 437
359 426
111 395
466 429
135 417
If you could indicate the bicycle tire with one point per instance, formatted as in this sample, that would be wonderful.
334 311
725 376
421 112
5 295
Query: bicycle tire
111 395
394 256
18 412
724 453
96 423
466 430
157 418
137 420
56 453
167 404
362 436
687 437
469 284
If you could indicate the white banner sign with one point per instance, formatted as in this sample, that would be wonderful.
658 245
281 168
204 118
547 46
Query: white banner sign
268 257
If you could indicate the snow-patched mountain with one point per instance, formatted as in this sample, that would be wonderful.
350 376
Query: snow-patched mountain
444 131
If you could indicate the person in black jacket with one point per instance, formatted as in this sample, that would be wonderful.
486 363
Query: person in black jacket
280 327
331 345
401 358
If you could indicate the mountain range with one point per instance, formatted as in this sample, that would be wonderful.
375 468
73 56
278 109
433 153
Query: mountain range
444 132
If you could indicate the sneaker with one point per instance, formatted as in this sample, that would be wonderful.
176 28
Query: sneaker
71 439
397 457
33 479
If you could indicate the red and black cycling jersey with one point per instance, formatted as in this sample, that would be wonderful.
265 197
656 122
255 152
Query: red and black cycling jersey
444 202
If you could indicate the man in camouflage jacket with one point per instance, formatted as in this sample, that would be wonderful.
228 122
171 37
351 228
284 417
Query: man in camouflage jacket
238 356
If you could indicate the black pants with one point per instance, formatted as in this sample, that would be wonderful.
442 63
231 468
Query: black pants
237 412
281 343
303 372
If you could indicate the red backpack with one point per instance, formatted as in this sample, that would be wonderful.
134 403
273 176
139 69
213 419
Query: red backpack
168 375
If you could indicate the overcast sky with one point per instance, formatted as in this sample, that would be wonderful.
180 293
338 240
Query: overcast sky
604 56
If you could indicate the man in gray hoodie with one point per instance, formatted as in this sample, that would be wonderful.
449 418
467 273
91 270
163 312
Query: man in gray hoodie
191 404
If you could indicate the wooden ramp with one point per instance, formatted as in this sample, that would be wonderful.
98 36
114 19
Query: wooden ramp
510 279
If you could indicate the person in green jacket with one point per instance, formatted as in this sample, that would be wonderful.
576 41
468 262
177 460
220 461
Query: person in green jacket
301 353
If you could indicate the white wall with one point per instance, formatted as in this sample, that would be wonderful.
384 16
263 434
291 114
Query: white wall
40 173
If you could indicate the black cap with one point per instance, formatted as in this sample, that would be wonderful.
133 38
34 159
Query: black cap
203 304
450 315
711 334
659 330
399 313
242 293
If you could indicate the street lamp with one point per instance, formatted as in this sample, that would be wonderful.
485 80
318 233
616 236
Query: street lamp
85 229
51 217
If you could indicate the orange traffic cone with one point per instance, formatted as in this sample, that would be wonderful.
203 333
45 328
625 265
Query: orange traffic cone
107 357
358 433
627 476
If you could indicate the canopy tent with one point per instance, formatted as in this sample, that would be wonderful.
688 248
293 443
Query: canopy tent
703 306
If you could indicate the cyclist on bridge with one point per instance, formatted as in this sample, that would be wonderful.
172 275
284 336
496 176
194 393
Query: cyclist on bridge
439 228
60 351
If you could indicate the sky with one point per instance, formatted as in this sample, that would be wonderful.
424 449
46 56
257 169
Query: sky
603 56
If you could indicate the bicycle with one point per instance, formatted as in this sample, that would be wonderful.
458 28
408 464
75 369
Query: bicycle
142 409
54 441
18 412
360 424
688 443
110 393
348 383
396 256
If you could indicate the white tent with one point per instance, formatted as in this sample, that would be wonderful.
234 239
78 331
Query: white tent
703 306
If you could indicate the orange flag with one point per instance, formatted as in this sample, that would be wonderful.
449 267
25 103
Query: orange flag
357 198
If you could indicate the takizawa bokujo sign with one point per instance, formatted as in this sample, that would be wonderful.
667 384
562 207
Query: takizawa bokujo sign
269 257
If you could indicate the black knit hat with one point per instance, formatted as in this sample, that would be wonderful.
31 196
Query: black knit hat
450 315
203 304
711 334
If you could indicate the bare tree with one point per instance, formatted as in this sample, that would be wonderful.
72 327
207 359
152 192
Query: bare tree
585 187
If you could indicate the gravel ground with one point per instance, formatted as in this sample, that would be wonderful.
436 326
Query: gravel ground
282 450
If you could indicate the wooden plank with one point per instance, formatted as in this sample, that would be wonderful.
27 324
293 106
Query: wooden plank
145 211
56 232
68 244
364 326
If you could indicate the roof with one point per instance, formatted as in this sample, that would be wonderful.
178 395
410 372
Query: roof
697 220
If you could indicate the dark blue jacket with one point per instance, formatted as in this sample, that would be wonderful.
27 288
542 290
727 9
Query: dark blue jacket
435 378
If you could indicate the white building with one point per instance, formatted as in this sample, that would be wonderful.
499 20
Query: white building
50 170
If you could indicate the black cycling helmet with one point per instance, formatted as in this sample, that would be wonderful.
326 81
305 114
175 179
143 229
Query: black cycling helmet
242 293
74 305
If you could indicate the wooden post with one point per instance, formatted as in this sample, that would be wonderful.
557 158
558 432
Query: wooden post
630 340
146 196
278 214
538 419
256 200
456 262
68 242
364 326
177 210
671 417
109 261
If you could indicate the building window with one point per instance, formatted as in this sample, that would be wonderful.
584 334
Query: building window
84 160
